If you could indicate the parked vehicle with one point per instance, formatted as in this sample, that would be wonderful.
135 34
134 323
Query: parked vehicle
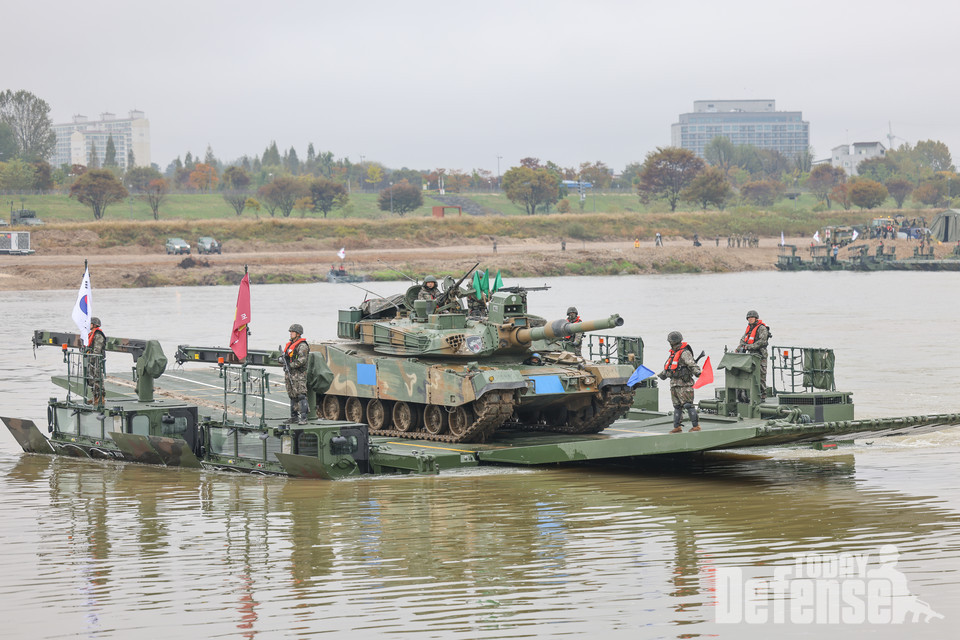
206 244
177 246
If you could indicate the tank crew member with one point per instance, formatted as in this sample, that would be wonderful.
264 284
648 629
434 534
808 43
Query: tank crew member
476 308
576 339
534 359
295 373
429 290
682 370
96 352
754 340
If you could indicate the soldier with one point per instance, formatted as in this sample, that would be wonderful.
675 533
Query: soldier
295 373
96 352
682 370
754 340
476 307
429 289
534 360
576 339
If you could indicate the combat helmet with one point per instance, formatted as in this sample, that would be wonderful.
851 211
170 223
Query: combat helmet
674 338
298 328
753 314
430 279
572 311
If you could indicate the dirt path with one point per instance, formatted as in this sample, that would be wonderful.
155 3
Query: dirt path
61 267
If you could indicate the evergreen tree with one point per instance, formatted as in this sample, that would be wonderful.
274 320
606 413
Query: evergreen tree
110 155
93 161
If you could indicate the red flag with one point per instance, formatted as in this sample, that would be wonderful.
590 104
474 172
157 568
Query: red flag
238 339
706 375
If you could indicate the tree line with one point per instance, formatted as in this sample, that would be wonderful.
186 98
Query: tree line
282 182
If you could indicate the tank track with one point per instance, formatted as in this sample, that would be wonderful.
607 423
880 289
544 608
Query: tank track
491 411
607 407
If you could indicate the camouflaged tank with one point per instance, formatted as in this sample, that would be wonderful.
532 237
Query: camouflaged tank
408 368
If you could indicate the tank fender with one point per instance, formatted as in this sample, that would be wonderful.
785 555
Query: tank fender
488 380
611 374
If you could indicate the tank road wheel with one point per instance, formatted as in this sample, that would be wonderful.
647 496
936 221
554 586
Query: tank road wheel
333 407
378 415
406 416
353 409
460 420
435 419
580 418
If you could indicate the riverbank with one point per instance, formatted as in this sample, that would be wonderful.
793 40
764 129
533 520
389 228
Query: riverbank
60 267
269 264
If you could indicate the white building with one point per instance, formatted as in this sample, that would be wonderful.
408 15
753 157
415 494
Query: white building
743 122
74 139
842 156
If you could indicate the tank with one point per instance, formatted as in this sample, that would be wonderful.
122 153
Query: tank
426 369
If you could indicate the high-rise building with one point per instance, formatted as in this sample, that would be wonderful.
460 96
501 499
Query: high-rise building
753 122
75 139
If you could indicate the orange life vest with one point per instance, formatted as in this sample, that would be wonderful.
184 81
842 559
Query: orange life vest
93 332
292 346
571 337
750 335
673 360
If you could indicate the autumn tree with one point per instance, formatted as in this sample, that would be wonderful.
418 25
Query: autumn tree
98 188
930 192
823 178
374 174
405 198
155 194
531 187
867 194
899 189
282 194
763 193
666 173
139 178
708 188
841 193
42 176
235 184
327 195
204 177
29 119
457 181
597 173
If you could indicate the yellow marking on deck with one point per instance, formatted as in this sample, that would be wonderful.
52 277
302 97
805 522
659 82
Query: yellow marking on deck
426 446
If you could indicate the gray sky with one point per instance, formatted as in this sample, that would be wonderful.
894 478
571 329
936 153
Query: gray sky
428 84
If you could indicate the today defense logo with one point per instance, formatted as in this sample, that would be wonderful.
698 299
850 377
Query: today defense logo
838 588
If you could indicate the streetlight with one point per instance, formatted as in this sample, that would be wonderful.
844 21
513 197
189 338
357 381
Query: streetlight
498 171
391 198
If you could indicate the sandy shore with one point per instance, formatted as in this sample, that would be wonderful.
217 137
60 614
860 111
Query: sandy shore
60 267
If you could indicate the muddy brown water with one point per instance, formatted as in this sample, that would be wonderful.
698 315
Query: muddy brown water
103 550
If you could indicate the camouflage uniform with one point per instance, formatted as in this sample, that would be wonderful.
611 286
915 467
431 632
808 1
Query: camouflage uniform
576 340
681 382
96 352
428 293
758 347
295 377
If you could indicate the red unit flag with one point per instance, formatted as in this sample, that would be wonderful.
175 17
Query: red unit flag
238 339
706 375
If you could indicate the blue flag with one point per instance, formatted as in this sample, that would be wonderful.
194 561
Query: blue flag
642 373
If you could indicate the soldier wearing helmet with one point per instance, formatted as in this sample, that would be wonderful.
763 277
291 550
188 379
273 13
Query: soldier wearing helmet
754 340
95 355
429 290
295 355
682 369
576 339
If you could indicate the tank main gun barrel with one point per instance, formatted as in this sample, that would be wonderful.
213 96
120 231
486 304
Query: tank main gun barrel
561 328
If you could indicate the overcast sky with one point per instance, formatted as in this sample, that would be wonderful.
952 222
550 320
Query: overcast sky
428 84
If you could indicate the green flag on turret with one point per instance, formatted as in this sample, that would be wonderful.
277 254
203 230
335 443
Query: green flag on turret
485 281
477 288
497 283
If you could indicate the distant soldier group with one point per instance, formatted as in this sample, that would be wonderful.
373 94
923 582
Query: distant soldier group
743 240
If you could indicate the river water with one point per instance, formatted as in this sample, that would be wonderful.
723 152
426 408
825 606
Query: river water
103 550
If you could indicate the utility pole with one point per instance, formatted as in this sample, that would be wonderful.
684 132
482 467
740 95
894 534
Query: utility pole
499 157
